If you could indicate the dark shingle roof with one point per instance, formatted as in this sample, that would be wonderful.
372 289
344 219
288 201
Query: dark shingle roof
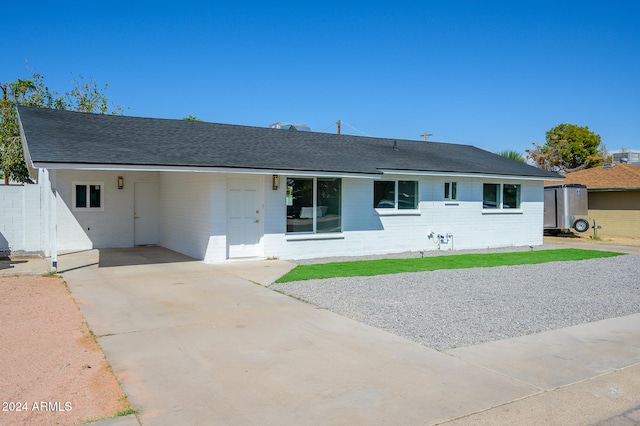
55 136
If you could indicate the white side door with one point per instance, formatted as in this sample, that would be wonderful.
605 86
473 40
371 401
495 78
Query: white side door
244 217
146 205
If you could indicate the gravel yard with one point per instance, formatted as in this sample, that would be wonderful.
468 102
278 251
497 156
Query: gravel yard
454 308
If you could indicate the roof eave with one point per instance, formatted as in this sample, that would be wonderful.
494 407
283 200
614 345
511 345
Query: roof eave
469 174
199 169
612 189
287 172
33 170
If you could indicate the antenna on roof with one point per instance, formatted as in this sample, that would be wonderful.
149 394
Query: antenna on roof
425 135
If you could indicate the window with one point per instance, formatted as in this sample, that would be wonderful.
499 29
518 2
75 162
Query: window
314 205
491 196
88 196
451 190
501 196
401 195
510 196
329 205
384 194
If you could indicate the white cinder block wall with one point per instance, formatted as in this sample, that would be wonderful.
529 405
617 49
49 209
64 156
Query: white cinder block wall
193 217
185 212
367 231
20 225
217 245
475 228
111 227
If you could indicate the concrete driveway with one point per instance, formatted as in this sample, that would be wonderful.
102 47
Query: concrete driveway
193 343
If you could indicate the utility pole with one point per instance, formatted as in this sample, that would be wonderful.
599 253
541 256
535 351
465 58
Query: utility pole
425 135
338 123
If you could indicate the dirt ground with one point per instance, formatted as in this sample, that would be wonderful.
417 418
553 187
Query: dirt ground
51 369
588 236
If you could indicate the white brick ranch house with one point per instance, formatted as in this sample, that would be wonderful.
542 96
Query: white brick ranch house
218 192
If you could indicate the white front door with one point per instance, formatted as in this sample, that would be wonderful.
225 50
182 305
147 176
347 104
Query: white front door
244 216
146 222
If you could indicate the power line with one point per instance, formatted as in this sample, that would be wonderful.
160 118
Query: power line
328 127
340 122
357 130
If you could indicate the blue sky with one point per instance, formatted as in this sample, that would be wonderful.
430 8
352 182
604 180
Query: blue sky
494 74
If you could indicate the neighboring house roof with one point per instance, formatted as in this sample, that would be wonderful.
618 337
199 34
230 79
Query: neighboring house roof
64 139
616 176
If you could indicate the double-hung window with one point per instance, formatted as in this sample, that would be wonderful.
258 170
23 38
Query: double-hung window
399 195
501 196
88 196
314 205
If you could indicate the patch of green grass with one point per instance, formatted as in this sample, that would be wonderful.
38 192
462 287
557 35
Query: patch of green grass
367 268
124 412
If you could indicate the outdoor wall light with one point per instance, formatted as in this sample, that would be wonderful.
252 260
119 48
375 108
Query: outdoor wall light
120 182
275 182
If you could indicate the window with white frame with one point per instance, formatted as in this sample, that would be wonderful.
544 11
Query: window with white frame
400 194
501 196
451 190
88 196
314 205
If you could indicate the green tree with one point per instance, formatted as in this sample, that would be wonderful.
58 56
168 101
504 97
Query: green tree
568 148
12 165
512 155
84 96
191 118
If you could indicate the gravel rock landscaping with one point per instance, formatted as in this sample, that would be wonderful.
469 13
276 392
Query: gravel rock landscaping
453 308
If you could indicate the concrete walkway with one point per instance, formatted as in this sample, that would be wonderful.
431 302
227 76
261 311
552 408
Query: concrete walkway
23 266
193 343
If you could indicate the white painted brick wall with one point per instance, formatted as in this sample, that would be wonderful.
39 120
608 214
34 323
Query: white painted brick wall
275 208
193 214
216 250
185 212
20 227
366 232
112 227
